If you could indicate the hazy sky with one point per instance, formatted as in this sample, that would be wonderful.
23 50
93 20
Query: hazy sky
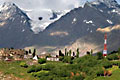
52 4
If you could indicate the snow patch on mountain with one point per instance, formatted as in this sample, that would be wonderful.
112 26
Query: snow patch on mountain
109 3
88 22
74 20
95 3
101 10
45 15
116 11
109 21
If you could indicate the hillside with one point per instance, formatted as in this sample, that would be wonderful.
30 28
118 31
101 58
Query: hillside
95 41
88 67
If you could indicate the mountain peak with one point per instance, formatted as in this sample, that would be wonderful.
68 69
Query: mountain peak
8 5
9 9
109 3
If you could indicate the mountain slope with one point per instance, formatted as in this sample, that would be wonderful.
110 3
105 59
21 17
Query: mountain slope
15 28
95 41
77 23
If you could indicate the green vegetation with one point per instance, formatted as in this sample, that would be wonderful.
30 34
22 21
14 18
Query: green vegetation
100 55
88 67
15 69
23 64
85 68
41 61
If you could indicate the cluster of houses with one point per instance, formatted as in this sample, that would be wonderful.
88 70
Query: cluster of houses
9 54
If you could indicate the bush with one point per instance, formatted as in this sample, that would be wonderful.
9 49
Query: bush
61 58
48 67
31 69
100 72
107 65
116 63
112 57
61 72
119 65
80 77
67 59
42 74
46 78
38 68
99 55
41 61
23 64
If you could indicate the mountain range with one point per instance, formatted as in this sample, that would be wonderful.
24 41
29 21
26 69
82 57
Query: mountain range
78 26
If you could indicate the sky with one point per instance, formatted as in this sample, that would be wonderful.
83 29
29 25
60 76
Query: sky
43 8
52 4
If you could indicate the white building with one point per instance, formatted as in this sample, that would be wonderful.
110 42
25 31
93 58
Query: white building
53 59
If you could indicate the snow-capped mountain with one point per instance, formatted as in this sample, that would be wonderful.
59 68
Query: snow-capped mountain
45 9
74 25
109 3
9 10
109 6
79 23
14 26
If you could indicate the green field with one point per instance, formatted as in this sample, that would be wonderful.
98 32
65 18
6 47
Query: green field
14 68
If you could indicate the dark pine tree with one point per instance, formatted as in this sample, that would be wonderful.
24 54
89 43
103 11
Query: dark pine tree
34 52
65 51
88 53
77 53
60 53
26 52
30 51
73 54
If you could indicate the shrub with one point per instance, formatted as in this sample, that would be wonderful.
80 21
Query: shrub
67 59
107 65
116 63
112 57
41 61
31 69
100 72
100 55
80 77
38 68
48 67
23 64
61 72
61 58
119 65
42 74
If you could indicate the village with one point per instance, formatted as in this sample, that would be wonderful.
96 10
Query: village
11 54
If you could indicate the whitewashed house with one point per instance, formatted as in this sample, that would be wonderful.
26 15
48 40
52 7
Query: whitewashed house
53 59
